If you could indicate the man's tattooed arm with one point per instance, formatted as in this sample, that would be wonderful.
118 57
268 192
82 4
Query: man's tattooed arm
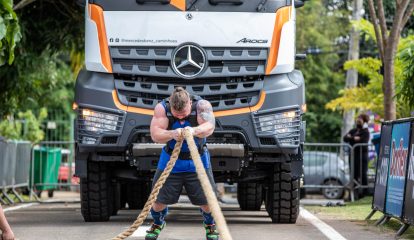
205 111
205 118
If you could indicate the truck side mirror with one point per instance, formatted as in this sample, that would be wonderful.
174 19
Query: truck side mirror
300 56
300 3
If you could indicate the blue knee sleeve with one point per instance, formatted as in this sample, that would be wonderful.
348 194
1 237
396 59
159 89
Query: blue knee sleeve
159 216
208 218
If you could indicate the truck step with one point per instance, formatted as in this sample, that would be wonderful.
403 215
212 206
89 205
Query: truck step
215 149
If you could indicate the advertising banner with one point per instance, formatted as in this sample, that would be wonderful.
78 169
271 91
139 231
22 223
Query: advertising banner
409 191
397 169
382 168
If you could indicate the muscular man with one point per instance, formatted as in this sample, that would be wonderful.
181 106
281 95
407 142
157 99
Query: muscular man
182 111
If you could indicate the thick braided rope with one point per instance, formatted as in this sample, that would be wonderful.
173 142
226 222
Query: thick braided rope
207 188
154 193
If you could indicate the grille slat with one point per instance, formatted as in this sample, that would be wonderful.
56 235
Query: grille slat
225 89
222 96
134 53
222 62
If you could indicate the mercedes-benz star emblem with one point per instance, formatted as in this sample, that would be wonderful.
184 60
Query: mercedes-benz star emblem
188 61
189 16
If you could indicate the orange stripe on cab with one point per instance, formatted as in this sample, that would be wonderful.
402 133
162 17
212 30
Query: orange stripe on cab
242 110
180 4
96 14
282 16
119 105
144 111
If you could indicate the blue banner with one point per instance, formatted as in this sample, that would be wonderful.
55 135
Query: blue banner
397 169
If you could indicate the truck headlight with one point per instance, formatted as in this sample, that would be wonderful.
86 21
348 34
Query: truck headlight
285 126
99 122
279 123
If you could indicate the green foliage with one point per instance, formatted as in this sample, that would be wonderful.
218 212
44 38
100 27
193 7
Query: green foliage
9 32
370 96
28 128
10 129
48 58
366 28
362 98
32 124
318 27
405 90
36 81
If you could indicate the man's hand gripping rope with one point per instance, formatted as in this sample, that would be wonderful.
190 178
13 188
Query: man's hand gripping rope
205 184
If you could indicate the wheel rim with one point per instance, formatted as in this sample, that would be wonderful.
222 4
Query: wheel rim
332 193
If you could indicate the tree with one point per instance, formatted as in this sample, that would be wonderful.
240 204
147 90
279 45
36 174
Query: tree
353 54
9 32
387 41
405 90
370 96
319 28
48 57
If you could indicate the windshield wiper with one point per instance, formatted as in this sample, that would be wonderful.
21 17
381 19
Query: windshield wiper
153 1
191 4
235 2
261 5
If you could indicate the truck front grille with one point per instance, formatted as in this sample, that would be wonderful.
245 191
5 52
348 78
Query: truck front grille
156 61
222 95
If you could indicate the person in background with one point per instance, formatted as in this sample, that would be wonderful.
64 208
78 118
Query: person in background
6 232
357 135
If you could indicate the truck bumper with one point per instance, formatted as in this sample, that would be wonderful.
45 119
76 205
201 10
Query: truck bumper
104 125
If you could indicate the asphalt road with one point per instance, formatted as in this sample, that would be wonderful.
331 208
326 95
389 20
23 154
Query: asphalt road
184 222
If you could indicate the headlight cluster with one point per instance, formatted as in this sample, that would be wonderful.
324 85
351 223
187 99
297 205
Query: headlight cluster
99 122
285 126
279 123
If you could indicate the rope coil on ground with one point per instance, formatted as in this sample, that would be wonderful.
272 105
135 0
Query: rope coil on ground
205 184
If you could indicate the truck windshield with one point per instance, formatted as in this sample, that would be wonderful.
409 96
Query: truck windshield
193 5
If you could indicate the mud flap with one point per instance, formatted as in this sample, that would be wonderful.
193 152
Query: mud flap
297 169
81 164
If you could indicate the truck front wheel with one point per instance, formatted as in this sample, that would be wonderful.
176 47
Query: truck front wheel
249 196
137 194
96 199
282 194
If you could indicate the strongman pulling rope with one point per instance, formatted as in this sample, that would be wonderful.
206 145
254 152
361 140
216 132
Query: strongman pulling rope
187 161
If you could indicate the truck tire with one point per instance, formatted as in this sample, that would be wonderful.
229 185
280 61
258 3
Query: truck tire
123 196
249 196
137 194
116 198
282 195
96 200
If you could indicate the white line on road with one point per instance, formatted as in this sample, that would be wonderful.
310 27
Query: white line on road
19 207
141 231
327 230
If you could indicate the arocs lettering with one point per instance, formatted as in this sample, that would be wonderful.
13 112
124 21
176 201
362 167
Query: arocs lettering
246 40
